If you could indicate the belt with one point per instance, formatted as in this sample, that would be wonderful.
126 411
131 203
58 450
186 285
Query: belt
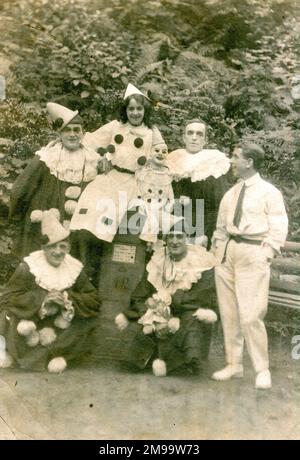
241 239
123 170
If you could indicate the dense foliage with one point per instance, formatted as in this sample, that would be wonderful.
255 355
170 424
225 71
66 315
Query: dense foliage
231 62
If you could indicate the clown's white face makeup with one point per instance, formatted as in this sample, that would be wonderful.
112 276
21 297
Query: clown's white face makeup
158 155
55 253
194 137
71 136
177 245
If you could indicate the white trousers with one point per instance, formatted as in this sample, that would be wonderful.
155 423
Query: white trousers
242 283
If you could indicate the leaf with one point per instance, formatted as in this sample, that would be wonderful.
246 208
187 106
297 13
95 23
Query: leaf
76 82
84 94
76 75
100 89
85 82
148 69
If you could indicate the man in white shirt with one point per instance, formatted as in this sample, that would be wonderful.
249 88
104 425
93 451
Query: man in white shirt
252 225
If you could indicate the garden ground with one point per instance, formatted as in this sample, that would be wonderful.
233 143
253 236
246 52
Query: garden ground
104 402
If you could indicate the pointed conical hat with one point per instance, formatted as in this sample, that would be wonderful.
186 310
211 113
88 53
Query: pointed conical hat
157 137
131 90
50 225
59 111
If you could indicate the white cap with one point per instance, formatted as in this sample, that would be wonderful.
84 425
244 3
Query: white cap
59 111
131 90
50 225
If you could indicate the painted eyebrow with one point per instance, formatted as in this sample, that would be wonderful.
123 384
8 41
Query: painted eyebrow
76 128
190 131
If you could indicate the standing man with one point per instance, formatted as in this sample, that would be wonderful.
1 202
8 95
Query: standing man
199 174
252 226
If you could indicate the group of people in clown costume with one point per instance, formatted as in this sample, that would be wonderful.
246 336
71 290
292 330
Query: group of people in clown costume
72 196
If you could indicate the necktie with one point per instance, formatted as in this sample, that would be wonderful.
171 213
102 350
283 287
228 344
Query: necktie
239 207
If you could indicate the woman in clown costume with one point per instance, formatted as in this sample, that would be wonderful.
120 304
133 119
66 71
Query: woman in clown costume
125 145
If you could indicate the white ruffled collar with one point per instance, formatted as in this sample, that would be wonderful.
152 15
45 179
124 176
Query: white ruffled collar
178 275
197 166
69 166
53 278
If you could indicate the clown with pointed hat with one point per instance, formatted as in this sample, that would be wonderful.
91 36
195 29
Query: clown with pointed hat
55 177
44 304
125 145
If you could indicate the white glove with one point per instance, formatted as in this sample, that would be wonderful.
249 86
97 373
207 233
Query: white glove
148 329
121 322
208 316
33 339
174 325
47 336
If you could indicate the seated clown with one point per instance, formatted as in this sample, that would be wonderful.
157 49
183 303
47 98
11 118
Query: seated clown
48 309
174 308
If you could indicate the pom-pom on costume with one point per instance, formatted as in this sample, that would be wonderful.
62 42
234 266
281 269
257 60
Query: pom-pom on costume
32 344
48 308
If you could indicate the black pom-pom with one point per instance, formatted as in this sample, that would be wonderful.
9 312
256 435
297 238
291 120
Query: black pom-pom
44 240
138 142
111 148
57 124
119 138
160 191
101 151
141 161
149 200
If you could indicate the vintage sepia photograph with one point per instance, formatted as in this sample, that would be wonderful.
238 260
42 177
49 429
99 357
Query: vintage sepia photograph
149 220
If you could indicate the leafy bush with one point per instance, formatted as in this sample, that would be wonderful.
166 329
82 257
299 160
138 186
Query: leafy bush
227 61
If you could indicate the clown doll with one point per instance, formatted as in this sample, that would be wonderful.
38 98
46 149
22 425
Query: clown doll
155 192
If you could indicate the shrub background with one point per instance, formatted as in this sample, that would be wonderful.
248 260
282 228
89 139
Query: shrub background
231 62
